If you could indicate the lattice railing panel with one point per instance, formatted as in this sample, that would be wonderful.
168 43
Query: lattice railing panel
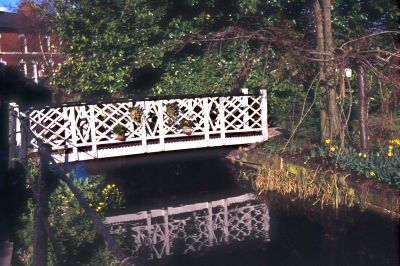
85 131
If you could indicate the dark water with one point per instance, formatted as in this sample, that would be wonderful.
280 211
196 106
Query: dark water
188 191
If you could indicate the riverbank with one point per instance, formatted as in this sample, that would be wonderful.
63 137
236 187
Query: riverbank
366 193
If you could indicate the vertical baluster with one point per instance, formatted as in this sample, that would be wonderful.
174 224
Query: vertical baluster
160 117
245 108
264 114
67 132
222 121
144 124
74 129
92 128
206 121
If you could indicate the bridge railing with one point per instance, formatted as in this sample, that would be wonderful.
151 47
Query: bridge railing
83 131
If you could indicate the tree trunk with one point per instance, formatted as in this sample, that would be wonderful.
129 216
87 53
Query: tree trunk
329 114
363 110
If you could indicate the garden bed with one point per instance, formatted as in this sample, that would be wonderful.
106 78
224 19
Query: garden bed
351 188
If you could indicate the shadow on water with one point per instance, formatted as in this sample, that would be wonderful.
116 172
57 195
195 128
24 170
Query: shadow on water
183 188
154 179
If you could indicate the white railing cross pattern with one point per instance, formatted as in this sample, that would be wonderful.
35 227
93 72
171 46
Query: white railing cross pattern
85 131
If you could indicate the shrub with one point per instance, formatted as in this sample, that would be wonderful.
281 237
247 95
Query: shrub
74 231
382 164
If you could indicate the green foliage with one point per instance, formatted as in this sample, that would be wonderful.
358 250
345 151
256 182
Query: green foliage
73 230
120 130
186 123
136 114
377 165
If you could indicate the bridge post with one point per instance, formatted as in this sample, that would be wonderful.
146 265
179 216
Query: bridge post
264 113
92 126
221 110
160 116
206 112
245 105
143 126
40 241
74 130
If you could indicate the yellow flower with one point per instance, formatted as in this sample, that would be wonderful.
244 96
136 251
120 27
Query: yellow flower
113 185
327 141
332 148
72 194
365 155
359 154
91 185
90 204
390 147
372 173
390 153
108 186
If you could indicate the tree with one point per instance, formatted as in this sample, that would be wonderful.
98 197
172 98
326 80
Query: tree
192 46
329 115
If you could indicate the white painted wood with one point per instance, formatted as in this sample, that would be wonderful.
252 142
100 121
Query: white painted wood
87 130
264 114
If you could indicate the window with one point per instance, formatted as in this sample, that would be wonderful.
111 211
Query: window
22 43
46 43
22 67
2 67
34 72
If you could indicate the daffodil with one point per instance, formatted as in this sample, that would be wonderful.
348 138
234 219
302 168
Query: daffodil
365 155
359 154
372 173
332 148
327 141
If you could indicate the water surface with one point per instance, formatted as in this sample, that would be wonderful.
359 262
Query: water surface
214 221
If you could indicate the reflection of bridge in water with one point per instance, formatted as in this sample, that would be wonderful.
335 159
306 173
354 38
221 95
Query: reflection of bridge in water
191 228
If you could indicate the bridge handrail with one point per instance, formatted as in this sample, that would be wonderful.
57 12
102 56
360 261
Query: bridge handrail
135 99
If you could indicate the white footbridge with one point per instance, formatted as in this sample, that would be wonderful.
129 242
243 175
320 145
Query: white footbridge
191 228
84 131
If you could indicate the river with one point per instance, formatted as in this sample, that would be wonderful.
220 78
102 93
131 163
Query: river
212 220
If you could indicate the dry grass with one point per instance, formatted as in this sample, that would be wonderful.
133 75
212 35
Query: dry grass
323 187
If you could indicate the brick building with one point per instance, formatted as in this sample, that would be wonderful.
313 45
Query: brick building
26 44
